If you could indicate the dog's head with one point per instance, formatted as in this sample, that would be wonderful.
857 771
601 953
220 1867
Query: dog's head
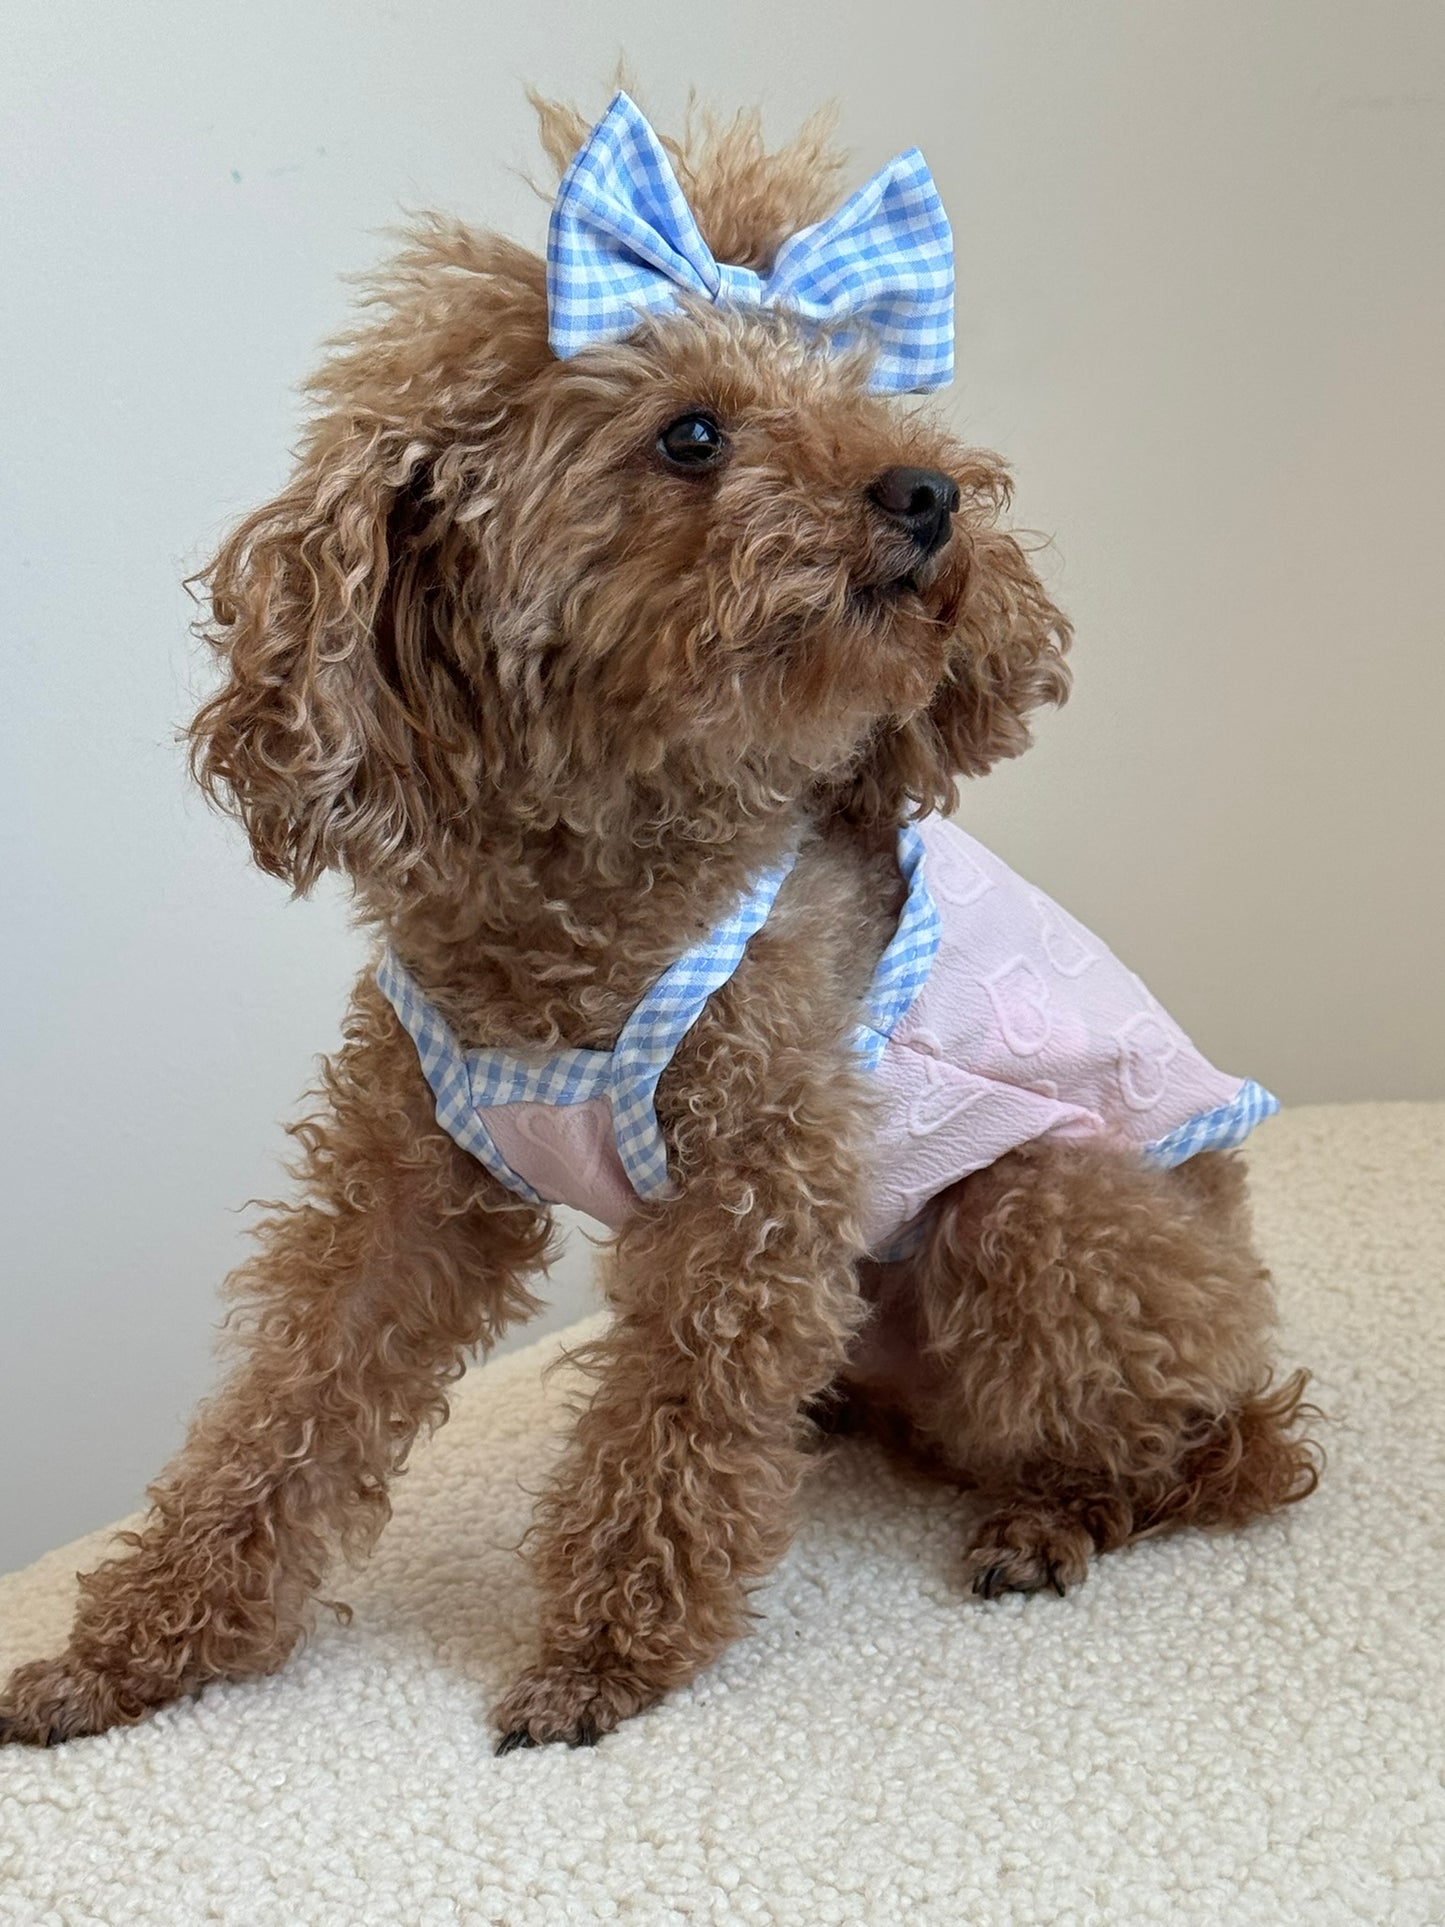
706 559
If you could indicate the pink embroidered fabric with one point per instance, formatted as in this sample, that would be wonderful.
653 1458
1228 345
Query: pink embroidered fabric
1027 1027
568 1154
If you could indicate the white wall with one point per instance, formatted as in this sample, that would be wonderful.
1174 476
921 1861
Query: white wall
1201 291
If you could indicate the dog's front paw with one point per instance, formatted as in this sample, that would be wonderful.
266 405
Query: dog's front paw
1026 1549
570 1701
51 1700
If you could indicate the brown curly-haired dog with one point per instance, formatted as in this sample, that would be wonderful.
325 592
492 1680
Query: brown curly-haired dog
551 704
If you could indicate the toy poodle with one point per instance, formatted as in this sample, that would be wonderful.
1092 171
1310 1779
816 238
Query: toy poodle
622 637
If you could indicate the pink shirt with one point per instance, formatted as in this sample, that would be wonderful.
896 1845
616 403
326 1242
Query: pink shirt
1009 1022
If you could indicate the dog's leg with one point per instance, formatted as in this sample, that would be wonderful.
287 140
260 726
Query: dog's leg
734 1307
1096 1337
357 1311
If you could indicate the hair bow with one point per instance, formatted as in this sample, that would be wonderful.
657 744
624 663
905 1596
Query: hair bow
623 243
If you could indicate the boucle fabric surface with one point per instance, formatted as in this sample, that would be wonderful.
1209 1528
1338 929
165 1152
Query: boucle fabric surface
1213 1730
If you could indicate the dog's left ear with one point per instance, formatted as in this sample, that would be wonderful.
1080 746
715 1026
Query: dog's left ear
1007 660
305 741
343 734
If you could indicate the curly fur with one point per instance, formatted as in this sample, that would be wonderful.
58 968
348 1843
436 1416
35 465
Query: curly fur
549 706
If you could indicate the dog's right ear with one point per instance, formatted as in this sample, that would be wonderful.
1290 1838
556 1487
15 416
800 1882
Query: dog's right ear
337 735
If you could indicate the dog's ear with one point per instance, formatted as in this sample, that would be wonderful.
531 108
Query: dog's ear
338 735
305 740
1006 661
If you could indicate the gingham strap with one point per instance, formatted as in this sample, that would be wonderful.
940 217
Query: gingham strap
467 1083
447 1069
904 966
1218 1130
664 1016
623 242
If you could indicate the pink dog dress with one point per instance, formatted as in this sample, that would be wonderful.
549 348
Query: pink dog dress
994 1020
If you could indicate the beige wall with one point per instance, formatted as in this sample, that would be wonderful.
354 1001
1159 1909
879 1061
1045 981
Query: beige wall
1201 291
1203 261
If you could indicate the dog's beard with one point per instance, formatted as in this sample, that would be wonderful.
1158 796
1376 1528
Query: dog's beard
798 663
887 601
882 653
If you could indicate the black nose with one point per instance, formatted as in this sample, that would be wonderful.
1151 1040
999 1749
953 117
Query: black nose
920 500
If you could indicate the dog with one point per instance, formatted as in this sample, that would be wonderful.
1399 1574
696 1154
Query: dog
622 636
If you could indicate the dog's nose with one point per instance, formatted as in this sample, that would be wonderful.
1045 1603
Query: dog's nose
920 500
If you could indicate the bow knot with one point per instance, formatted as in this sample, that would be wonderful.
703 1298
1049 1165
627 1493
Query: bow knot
623 243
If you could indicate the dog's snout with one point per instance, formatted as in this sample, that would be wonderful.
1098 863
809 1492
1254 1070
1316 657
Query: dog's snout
920 500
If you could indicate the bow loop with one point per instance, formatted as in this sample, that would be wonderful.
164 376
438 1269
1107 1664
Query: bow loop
623 243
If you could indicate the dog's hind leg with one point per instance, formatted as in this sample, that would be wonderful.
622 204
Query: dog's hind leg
355 1314
1094 1354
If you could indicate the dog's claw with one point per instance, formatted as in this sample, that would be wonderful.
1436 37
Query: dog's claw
15 1731
992 1582
588 1733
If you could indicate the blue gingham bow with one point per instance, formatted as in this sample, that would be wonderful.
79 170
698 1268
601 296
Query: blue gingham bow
623 242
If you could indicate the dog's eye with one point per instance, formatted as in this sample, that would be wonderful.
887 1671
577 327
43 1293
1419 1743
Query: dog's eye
693 441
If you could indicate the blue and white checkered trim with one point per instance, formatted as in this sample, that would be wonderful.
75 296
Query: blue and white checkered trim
665 1015
466 1083
623 243
904 966
447 1069
1217 1130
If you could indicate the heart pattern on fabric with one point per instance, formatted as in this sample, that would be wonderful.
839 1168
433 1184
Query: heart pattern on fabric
962 880
946 1095
1022 1005
1062 940
1147 1049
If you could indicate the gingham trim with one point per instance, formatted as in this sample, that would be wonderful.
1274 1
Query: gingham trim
904 966
467 1083
445 1067
622 242
654 1030
1217 1130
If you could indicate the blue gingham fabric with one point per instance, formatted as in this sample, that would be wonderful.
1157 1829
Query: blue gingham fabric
466 1083
1217 1130
904 966
448 1069
623 243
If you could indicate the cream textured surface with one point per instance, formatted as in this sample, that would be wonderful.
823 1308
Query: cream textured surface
1221 1731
